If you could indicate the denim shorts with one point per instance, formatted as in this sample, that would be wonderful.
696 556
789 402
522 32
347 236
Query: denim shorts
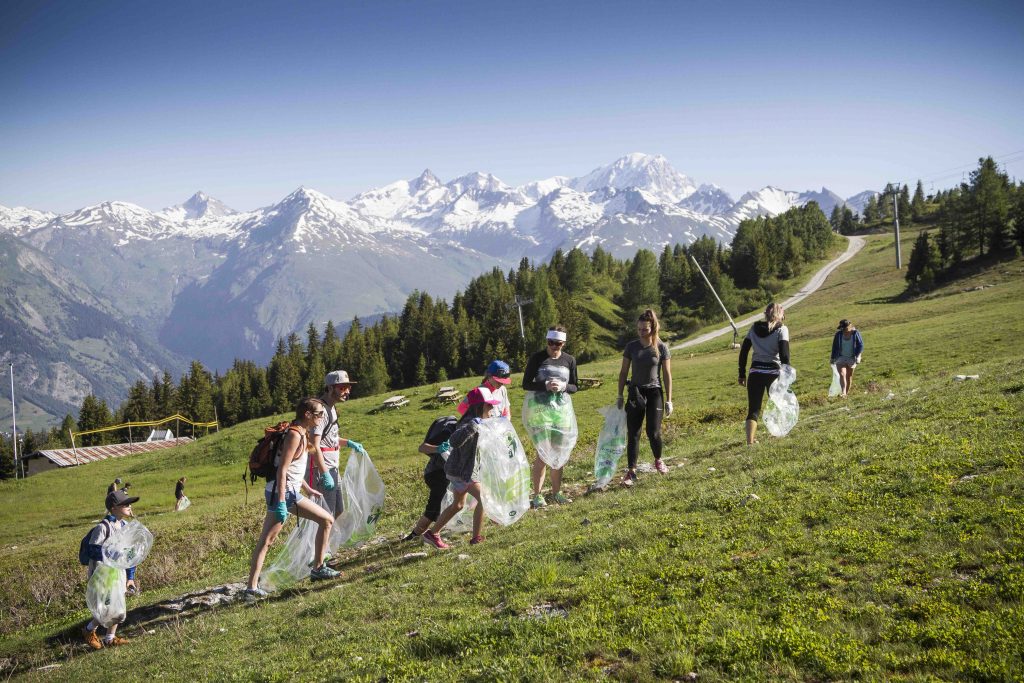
290 498
460 485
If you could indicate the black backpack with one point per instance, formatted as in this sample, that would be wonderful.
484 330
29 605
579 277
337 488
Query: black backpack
83 547
441 429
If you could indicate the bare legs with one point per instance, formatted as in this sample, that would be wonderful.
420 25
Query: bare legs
271 528
845 379
539 468
751 432
460 501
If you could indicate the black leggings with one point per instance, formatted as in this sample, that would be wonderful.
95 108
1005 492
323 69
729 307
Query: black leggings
438 483
635 418
757 385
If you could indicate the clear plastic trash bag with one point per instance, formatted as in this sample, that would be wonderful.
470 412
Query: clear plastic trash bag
783 407
550 422
611 444
185 502
127 546
294 562
104 594
835 388
362 494
504 471
462 522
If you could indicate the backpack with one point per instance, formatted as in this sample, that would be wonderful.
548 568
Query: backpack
83 547
263 459
441 429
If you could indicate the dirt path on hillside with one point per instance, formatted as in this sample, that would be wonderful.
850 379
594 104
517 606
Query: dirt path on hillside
855 245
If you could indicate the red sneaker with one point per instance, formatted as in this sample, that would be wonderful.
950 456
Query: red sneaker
660 466
476 539
430 538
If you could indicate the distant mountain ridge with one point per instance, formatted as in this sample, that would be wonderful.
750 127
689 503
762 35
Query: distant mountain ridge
214 284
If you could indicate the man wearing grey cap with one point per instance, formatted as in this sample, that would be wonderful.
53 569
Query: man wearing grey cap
326 444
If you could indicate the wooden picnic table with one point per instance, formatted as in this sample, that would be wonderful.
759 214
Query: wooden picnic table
447 395
589 382
394 402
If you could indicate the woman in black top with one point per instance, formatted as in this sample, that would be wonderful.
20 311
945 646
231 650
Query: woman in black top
651 364
550 370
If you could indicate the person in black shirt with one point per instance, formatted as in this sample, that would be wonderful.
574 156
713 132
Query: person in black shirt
436 446
550 370
179 493
650 391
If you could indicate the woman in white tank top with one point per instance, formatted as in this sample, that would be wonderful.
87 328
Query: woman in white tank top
285 494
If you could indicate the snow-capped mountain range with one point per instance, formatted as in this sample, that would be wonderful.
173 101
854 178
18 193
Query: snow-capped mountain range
215 284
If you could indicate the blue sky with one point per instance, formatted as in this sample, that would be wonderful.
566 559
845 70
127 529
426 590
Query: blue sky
149 101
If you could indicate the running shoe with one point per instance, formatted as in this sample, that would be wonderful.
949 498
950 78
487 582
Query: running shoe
476 539
254 594
411 536
561 498
323 572
116 641
660 467
430 538
538 502
91 639
629 479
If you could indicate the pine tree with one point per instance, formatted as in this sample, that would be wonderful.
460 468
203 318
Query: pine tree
94 414
917 204
924 265
990 207
903 203
640 287
836 219
541 314
6 458
871 212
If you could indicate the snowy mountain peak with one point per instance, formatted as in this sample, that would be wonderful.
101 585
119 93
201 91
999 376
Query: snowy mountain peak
650 173
425 181
21 220
709 199
200 206
478 181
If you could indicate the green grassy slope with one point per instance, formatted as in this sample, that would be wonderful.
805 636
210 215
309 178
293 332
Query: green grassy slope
881 539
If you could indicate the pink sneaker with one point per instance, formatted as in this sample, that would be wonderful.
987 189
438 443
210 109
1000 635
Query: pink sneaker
660 466
430 538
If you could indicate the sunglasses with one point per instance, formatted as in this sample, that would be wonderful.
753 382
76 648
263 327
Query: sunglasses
552 342
319 413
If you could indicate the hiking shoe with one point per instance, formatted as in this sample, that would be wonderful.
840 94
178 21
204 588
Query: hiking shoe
324 572
327 558
538 502
476 539
561 498
251 594
116 641
660 467
430 538
629 479
91 639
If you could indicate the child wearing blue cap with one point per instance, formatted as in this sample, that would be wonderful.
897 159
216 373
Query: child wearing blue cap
496 379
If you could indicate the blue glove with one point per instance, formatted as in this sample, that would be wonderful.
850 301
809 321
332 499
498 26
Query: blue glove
326 481
444 447
280 511
357 446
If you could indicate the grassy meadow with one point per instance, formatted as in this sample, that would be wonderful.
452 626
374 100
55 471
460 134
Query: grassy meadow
880 540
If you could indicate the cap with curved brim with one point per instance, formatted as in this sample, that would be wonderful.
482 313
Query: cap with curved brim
337 377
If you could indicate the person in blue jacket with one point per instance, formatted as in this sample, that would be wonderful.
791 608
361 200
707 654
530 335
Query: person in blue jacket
847 347
119 506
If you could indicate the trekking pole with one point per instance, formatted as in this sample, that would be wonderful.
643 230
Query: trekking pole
735 332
